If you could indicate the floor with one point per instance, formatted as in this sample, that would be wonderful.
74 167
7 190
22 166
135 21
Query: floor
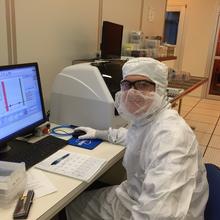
204 116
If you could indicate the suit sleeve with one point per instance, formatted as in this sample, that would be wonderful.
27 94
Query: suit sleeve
117 136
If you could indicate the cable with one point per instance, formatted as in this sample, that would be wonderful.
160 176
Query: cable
56 130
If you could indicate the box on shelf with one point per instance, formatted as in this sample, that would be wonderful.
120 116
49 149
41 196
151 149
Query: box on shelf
136 37
12 181
170 49
178 75
152 43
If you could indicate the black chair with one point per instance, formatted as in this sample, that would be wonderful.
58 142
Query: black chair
212 211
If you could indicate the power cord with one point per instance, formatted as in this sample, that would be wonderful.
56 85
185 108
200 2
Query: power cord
59 130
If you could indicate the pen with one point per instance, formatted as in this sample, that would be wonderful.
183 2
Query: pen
59 159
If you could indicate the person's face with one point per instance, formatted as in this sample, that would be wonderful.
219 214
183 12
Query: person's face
135 89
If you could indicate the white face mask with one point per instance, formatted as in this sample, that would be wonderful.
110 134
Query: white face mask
134 104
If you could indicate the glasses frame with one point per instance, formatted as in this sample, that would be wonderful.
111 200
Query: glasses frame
132 84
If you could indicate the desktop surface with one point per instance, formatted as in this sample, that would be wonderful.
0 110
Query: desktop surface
67 188
32 153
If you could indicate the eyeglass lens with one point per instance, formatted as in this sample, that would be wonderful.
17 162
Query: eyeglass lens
142 85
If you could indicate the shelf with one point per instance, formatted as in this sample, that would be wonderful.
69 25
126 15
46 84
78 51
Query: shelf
166 58
93 59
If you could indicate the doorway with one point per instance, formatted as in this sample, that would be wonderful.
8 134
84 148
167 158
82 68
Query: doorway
214 83
171 27
173 30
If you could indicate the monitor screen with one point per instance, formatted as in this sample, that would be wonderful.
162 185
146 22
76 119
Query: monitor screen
21 101
111 40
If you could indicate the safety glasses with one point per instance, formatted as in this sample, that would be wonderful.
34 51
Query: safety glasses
142 85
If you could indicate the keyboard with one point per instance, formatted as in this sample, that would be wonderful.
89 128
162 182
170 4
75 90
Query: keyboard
32 153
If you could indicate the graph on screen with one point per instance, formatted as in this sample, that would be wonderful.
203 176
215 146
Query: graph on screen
12 95
18 98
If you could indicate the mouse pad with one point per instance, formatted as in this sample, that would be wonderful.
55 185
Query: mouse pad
84 143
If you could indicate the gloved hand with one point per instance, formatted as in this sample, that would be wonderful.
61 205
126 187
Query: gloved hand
90 132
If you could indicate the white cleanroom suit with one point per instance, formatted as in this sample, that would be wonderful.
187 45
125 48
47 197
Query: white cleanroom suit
166 179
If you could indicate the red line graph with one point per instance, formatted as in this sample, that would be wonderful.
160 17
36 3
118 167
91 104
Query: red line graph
5 96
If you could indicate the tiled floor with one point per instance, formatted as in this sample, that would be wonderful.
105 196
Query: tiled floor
204 116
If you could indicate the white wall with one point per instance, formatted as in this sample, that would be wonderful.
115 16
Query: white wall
200 19
125 12
53 33
3 35
176 2
153 17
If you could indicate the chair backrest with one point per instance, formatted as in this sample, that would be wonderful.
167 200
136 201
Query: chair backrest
212 211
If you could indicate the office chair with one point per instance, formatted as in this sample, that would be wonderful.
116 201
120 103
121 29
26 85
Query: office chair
212 211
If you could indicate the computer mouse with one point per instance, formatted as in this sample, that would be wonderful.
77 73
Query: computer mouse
78 133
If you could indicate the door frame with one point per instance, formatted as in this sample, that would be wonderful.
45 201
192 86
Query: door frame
212 57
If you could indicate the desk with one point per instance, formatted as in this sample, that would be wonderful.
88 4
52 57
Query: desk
68 188
189 85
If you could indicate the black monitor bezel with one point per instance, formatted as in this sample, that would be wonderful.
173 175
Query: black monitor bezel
104 44
29 128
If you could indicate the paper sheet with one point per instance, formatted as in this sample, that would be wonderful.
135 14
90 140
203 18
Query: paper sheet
38 182
79 166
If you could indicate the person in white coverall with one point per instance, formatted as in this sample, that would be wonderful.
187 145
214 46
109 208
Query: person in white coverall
166 178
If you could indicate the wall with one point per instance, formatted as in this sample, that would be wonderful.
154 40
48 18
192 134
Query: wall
176 2
127 13
200 19
153 17
54 32
199 25
3 35
201 22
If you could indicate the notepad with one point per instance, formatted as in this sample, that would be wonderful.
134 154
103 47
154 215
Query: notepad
79 166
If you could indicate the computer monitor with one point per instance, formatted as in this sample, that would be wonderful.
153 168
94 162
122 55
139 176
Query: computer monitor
111 40
21 101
